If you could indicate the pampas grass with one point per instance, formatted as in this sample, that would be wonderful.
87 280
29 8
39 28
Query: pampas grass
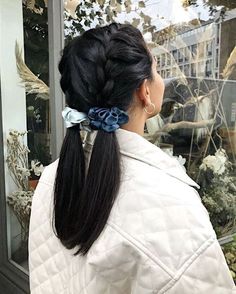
33 85
230 65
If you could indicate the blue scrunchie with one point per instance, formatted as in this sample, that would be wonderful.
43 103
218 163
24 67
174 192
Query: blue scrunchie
74 117
107 119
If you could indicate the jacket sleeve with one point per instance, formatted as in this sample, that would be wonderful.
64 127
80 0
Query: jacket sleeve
207 270
207 273
122 267
119 263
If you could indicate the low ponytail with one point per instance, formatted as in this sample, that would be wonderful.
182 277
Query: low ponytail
101 187
82 209
69 184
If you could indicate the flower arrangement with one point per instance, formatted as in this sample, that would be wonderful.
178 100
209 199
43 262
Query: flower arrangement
17 162
218 191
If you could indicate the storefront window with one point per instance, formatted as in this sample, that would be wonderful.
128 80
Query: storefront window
25 114
194 42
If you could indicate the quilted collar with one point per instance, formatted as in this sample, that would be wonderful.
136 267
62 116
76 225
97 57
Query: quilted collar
135 146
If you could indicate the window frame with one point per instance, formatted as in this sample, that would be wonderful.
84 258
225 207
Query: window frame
14 279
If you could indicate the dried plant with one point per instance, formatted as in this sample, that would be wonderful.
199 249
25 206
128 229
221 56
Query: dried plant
17 162
33 85
17 159
20 202
32 5
230 65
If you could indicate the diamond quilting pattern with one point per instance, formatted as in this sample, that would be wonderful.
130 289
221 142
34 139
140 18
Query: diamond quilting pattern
158 238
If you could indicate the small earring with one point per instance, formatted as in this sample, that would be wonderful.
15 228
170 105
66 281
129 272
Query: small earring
153 108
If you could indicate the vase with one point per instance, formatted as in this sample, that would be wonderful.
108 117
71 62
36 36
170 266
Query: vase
33 184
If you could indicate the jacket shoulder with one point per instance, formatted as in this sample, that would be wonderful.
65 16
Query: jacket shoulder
49 173
165 215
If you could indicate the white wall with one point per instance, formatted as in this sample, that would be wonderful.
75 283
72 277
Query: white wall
12 93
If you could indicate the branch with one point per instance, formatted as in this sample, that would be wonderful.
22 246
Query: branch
198 99
186 125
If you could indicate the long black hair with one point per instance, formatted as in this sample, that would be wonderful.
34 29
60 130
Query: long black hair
103 67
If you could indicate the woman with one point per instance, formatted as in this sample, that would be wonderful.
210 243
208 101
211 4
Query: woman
116 214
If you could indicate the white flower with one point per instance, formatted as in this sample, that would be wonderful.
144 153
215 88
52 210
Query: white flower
37 167
217 162
31 108
38 170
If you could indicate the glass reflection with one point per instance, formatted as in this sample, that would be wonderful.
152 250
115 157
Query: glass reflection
27 143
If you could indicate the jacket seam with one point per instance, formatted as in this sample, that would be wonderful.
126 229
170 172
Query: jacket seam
138 158
187 264
142 248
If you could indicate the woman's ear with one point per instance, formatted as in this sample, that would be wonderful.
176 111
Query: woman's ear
143 93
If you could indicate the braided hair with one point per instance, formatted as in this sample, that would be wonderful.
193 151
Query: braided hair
101 68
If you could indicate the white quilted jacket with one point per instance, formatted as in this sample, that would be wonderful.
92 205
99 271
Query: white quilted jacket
158 238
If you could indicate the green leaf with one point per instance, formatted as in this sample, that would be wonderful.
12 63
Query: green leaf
136 22
141 4
101 2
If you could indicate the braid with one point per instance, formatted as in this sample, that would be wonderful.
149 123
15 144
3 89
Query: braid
104 64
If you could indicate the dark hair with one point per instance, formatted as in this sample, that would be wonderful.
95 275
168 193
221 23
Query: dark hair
103 67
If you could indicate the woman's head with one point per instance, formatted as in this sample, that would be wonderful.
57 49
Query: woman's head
106 67
105 70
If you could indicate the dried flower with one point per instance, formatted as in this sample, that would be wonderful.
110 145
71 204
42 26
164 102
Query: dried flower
17 162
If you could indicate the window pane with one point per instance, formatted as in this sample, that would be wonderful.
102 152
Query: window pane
25 114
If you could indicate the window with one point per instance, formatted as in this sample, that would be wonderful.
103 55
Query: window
174 72
187 51
181 55
186 70
168 59
167 73
209 48
175 55
163 74
217 58
194 50
201 51
217 34
25 30
163 60
193 70
208 71
30 113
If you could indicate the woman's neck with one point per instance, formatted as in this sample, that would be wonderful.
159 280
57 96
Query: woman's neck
136 123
